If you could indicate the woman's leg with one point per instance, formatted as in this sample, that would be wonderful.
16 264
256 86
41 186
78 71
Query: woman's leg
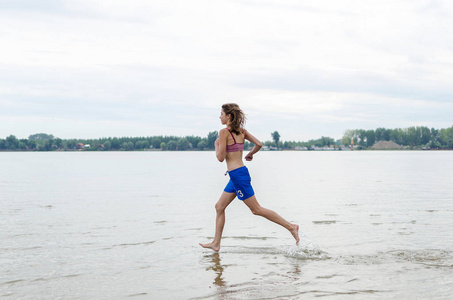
221 205
271 215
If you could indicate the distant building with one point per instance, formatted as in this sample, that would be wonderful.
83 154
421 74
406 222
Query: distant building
270 148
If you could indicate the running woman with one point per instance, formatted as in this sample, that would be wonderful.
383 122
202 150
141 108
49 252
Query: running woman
229 147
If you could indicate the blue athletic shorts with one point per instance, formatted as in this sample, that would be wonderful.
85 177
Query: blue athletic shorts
240 183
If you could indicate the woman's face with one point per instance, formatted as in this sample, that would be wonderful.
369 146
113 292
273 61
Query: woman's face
224 118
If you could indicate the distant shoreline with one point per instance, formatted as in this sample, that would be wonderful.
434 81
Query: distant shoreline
211 150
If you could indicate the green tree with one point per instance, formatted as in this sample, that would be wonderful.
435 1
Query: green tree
202 145
107 145
128 146
346 140
370 138
71 144
212 137
22 145
396 136
58 142
116 144
446 137
157 141
386 134
276 137
193 140
425 135
41 136
183 144
347 137
435 135
172 145
31 144
48 145
163 146
327 141
413 136
362 137
142 144
380 134
12 143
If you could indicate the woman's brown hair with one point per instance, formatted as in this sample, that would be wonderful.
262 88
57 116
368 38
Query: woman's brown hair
237 120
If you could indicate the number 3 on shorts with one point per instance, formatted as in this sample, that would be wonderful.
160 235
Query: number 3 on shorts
240 194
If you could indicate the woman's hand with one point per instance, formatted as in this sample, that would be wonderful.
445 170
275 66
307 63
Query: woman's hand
249 137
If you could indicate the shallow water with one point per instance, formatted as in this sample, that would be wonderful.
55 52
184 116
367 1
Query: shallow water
115 225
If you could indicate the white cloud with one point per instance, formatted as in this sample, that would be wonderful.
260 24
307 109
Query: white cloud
164 65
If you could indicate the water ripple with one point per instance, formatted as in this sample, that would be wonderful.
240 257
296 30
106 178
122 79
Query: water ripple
130 244
429 257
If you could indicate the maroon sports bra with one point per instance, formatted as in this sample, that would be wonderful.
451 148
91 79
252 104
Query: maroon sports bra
236 146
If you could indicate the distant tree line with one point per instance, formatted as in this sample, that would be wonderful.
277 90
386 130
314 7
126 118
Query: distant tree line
291 145
412 137
47 142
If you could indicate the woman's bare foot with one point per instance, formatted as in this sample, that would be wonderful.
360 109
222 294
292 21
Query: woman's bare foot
212 246
295 233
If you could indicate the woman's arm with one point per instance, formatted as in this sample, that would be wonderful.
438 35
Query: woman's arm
220 144
256 142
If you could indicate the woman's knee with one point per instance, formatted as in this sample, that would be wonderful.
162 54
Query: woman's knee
219 207
257 211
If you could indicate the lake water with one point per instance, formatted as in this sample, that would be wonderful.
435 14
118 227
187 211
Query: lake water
120 225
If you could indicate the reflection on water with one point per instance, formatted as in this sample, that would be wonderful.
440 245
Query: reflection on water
217 267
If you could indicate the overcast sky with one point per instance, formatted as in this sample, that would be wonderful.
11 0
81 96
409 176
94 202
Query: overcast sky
99 68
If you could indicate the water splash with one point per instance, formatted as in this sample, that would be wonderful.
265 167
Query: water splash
306 249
